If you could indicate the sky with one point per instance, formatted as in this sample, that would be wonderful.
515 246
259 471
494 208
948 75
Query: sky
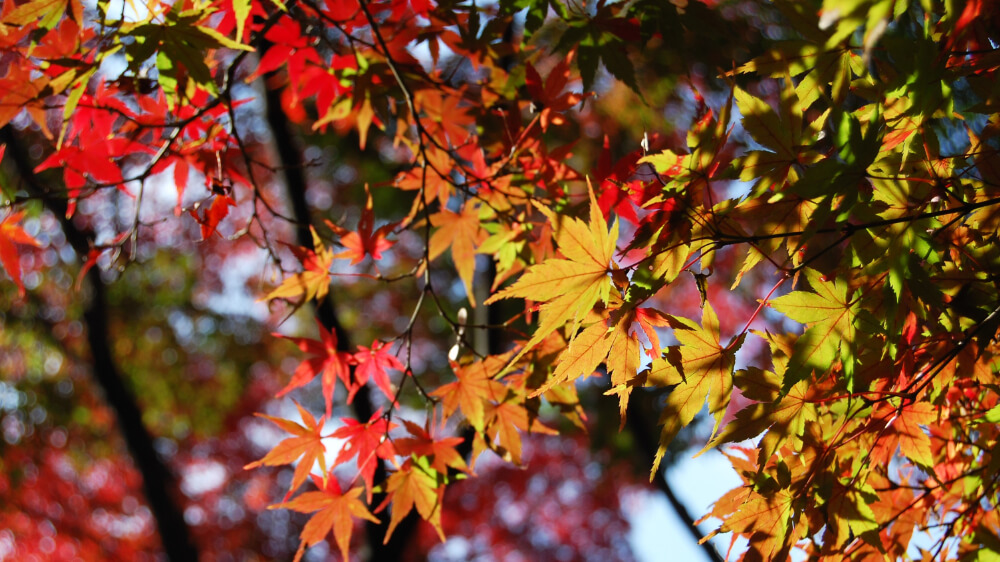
658 534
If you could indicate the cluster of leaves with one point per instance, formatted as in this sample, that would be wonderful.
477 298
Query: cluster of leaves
858 198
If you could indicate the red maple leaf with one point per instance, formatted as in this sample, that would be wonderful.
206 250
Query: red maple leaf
372 364
217 211
326 361
549 97
367 441
12 234
617 188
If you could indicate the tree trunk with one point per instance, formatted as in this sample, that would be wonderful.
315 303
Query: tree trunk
158 482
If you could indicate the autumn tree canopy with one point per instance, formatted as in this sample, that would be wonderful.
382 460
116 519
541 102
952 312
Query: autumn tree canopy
456 223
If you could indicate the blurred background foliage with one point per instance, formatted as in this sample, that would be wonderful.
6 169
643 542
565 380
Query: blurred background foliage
194 348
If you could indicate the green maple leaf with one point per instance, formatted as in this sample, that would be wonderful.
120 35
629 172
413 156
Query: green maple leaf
829 314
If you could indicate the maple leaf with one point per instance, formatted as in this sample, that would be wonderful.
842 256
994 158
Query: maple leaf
582 355
473 387
412 486
335 511
766 520
372 364
704 368
11 234
649 319
505 421
326 362
782 133
314 281
49 11
307 447
616 191
446 116
364 241
913 441
462 233
830 314
549 97
441 452
368 442
782 419
623 362
572 285
217 211
853 516
431 179
903 429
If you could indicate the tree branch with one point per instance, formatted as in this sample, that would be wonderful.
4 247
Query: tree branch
647 445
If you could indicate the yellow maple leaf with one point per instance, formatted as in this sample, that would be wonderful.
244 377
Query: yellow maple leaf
569 286
705 369
314 280
581 357
623 362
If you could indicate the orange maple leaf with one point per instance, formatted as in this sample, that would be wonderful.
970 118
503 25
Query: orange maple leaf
365 241
441 452
308 444
314 280
12 234
470 392
326 361
335 512
445 116
914 442
506 421
462 233
766 519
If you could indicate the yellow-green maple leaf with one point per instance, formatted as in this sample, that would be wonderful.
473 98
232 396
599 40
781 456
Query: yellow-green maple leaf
782 418
705 369
410 487
829 313
570 286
